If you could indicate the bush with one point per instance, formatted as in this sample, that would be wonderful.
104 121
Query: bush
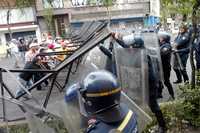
54 123
191 104
181 114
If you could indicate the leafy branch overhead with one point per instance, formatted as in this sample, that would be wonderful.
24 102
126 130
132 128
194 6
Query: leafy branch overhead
20 3
181 7
25 3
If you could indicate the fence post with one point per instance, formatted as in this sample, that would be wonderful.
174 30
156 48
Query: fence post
2 94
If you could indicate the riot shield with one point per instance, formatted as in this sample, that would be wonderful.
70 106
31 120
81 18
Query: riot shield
134 74
132 71
153 51
71 116
92 61
72 113
36 125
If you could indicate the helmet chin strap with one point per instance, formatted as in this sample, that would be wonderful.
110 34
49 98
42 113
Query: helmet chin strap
102 110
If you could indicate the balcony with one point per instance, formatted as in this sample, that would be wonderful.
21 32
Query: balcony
122 9
17 16
81 10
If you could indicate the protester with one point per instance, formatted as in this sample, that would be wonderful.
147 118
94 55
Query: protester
8 50
28 78
15 52
57 43
22 48
32 52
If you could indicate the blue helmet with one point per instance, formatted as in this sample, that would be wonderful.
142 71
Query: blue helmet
71 93
101 96
166 36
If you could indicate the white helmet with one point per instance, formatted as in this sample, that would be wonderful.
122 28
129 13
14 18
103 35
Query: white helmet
33 45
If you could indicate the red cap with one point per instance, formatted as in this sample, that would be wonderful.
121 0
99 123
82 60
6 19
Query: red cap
51 46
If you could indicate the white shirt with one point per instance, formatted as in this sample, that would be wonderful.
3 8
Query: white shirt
29 56
14 48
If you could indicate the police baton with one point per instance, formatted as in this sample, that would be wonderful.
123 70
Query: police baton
176 56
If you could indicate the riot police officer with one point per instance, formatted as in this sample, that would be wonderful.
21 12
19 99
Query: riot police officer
154 85
100 96
181 47
197 50
165 52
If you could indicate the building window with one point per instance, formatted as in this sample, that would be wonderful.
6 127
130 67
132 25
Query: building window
61 25
53 4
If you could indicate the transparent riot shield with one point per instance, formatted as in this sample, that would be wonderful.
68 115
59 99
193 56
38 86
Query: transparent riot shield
36 125
70 113
153 51
92 61
73 113
132 71
132 75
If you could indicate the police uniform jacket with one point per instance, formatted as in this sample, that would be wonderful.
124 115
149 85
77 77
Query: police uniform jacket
127 125
165 52
182 41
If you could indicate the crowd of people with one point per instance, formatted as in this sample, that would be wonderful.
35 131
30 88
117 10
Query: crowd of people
28 54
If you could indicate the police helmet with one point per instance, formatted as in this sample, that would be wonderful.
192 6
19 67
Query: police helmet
71 93
134 41
101 96
138 42
20 38
166 36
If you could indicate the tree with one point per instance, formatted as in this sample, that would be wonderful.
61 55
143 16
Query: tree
173 8
49 19
107 4
187 8
196 7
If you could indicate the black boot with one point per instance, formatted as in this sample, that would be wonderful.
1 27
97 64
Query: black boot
185 75
178 75
169 87
161 122
160 89
177 82
162 130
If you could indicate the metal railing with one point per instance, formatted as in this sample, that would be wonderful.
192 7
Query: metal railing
73 58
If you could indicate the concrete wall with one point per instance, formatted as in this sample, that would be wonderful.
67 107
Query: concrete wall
128 10
40 6
17 15
122 9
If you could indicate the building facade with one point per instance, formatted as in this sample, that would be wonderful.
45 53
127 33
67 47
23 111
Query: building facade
66 13
56 18
20 22
130 13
